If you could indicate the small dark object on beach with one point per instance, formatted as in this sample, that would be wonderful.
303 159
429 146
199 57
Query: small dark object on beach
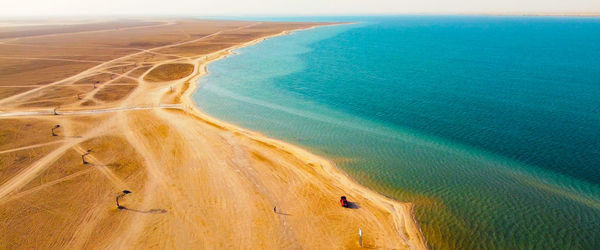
125 192
55 127
343 201
83 156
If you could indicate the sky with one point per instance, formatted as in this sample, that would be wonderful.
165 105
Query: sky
33 8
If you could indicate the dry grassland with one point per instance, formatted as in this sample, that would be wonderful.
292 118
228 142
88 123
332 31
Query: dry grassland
169 72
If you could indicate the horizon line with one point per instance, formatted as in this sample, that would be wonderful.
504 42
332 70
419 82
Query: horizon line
549 14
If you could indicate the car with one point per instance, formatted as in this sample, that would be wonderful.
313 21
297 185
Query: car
344 201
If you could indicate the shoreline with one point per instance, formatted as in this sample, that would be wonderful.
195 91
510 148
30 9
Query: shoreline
402 212
197 181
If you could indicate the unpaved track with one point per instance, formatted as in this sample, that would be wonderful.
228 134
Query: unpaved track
31 172
87 111
29 147
202 183
92 70
48 59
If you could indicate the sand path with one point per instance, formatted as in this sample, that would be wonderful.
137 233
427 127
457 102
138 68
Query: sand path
93 70
206 183
26 175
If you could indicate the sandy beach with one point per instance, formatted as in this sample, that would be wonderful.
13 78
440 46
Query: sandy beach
120 91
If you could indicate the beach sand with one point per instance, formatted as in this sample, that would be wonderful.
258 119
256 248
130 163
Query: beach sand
195 181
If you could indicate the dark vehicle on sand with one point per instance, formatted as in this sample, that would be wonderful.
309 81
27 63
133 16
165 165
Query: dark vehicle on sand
343 201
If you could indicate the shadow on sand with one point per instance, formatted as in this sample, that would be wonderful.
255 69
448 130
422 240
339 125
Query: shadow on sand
368 246
151 211
353 205
70 136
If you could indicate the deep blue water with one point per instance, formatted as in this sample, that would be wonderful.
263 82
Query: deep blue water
490 125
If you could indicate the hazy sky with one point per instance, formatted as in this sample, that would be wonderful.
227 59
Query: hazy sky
284 7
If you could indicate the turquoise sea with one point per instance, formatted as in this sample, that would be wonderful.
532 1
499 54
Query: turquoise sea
489 125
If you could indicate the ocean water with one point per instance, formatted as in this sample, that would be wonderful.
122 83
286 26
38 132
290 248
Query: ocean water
490 125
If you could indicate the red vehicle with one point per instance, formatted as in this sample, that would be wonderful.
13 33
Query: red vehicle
344 201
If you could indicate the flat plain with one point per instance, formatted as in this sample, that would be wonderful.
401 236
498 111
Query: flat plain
119 89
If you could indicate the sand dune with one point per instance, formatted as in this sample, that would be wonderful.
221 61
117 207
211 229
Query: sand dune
196 182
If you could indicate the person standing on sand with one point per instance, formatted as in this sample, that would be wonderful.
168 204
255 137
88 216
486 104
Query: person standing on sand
275 209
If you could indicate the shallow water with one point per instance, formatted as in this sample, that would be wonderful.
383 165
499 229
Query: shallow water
490 125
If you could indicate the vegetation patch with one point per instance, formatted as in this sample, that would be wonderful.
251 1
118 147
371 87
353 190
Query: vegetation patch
169 72
112 93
